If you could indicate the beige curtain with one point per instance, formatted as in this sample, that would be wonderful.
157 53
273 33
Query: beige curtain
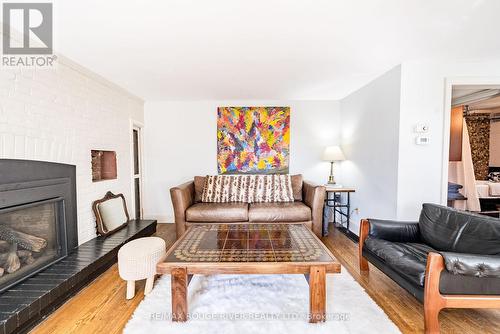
462 172
470 190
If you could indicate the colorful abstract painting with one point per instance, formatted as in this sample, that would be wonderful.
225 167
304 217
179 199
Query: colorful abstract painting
253 140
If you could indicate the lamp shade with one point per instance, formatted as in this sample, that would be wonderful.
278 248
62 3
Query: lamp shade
333 153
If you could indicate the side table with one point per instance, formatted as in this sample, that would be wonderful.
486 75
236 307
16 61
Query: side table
338 201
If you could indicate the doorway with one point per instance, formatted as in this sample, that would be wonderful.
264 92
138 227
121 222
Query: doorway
474 149
137 170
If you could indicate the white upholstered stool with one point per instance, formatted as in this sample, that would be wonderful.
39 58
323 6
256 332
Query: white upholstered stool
137 260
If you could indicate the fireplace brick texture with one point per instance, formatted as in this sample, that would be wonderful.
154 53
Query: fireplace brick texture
60 115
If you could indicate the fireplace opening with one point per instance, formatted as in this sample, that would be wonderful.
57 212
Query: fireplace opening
32 237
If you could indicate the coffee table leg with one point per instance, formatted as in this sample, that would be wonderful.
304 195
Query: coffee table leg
317 294
179 294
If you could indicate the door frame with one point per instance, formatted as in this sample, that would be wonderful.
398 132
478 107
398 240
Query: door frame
449 84
139 126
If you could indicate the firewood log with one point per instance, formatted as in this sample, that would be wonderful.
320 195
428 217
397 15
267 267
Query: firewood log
23 240
4 246
12 263
26 256
29 259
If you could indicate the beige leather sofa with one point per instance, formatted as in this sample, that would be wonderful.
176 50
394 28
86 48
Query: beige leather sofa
307 207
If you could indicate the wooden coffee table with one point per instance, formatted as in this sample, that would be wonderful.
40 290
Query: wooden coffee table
249 249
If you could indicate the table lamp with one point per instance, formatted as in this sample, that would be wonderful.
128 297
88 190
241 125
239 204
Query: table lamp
332 154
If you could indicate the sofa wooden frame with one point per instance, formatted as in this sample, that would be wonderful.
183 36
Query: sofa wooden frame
434 301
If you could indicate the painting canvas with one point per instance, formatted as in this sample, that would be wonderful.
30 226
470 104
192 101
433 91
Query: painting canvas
253 140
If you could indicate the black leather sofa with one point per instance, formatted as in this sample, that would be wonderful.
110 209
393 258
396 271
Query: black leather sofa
449 258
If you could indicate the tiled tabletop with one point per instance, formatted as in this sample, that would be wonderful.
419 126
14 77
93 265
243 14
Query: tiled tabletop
249 243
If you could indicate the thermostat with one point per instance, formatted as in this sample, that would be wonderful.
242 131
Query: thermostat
423 140
421 128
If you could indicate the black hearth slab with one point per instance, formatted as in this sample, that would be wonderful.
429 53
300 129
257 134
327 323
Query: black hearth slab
92 254
8 323
27 291
28 286
37 280
26 303
28 306
68 266
38 299
106 248
73 259
58 273
101 242
12 308
23 315
12 301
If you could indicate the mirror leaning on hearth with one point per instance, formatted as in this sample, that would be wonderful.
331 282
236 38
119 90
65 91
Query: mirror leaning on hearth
111 213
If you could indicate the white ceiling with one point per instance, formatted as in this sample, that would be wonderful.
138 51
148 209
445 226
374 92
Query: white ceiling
490 105
267 49
477 102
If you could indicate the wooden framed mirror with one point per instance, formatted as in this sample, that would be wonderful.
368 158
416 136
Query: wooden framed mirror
111 213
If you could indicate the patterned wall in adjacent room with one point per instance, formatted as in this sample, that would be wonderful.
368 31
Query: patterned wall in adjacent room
479 134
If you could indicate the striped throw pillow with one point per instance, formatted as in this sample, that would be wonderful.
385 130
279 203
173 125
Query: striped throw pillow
247 188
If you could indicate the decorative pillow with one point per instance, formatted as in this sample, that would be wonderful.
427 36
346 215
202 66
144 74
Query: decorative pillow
111 213
494 176
248 188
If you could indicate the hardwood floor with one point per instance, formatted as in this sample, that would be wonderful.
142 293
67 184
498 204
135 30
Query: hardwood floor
102 308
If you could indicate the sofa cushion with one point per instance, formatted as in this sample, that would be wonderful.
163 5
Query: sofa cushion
450 230
408 259
217 212
279 212
451 284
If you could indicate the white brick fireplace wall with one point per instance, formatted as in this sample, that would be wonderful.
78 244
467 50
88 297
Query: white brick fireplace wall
59 115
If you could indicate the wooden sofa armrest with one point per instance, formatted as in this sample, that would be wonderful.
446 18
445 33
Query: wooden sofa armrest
364 231
434 301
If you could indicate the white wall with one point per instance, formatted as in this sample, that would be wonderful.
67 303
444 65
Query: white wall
425 98
59 115
393 176
180 142
370 131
